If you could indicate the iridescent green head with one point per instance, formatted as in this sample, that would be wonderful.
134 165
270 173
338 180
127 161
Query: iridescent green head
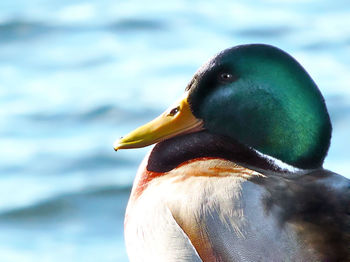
262 97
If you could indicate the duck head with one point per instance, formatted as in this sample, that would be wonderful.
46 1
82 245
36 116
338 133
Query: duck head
255 94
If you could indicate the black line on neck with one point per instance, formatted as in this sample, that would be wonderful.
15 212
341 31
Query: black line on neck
170 153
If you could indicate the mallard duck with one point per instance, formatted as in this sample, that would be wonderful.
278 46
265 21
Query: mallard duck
236 173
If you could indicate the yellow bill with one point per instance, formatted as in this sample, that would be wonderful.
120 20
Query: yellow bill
178 119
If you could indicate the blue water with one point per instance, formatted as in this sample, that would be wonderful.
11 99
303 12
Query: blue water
76 75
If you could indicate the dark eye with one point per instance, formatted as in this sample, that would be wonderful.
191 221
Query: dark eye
174 111
226 77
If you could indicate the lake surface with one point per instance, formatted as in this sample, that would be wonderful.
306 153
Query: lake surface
76 75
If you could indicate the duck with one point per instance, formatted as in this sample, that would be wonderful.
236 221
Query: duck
236 172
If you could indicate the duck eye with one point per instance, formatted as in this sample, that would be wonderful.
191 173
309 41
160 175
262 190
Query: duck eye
174 111
226 77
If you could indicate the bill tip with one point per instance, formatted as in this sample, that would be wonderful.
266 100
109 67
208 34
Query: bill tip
116 145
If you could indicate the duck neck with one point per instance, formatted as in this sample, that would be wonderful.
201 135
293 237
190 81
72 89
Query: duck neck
171 153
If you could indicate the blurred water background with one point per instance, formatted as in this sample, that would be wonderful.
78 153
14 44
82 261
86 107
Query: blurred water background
75 75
